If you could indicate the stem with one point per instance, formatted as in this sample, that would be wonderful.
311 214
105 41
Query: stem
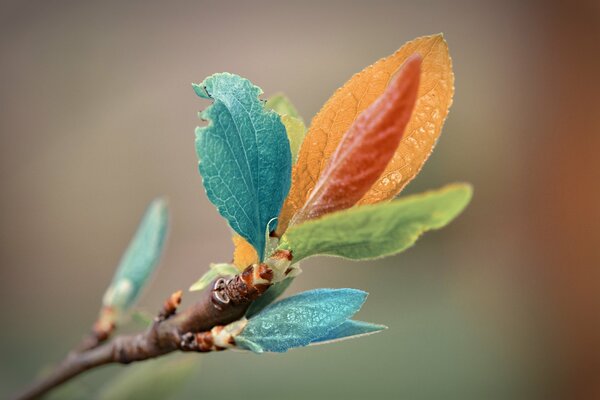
73 365
226 302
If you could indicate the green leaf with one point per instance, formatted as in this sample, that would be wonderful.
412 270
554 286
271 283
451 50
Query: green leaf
282 105
244 154
296 130
294 125
377 230
299 320
268 297
140 259
350 329
215 271
151 380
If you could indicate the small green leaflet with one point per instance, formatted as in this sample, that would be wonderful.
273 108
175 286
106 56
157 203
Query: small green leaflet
300 320
296 130
282 105
140 258
268 297
215 271
377 230
294 125
244 156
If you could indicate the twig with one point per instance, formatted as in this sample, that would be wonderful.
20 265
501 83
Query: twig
101 330
189 330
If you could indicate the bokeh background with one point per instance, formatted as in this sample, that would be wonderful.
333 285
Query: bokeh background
97 117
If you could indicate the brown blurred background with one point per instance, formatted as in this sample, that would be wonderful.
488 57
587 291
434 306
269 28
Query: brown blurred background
97 118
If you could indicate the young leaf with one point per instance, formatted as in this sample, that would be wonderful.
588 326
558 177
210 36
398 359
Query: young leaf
282 105
294 125
349 330
344 106
367 147
299 320
296 130
377 230
268 297
215 271
140 258
243 254
244 154
151 380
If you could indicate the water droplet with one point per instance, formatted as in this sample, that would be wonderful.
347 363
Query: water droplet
396 177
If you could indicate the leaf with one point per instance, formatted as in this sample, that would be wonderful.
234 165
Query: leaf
299 320
215 271
367 147
243 254
294 125
268 297
282 105
140 259
350 330
377 230
153 379
244 154
272 244
296 130
340 111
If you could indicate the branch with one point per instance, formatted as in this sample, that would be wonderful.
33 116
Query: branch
189 330
101 330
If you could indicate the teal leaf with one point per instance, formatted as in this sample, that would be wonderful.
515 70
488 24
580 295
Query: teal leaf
350 329
140 259
377 230
244 156
268 297
299 320
215 271
247 344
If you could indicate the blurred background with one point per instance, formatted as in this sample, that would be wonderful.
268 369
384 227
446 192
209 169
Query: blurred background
97 117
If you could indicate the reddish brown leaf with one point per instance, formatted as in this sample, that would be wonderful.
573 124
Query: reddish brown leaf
367 147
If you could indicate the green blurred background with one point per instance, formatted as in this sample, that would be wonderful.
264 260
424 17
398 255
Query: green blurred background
97 117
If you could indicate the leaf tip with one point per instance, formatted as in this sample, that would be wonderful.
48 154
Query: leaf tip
200 90
465 188
439 36
357 296
161 205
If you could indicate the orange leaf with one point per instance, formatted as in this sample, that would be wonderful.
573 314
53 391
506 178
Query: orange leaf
367 147
244 253
340 111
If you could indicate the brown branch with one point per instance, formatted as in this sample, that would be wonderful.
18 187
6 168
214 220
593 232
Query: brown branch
101 330
189 330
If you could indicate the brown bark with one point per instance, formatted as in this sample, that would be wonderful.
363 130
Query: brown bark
226 302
